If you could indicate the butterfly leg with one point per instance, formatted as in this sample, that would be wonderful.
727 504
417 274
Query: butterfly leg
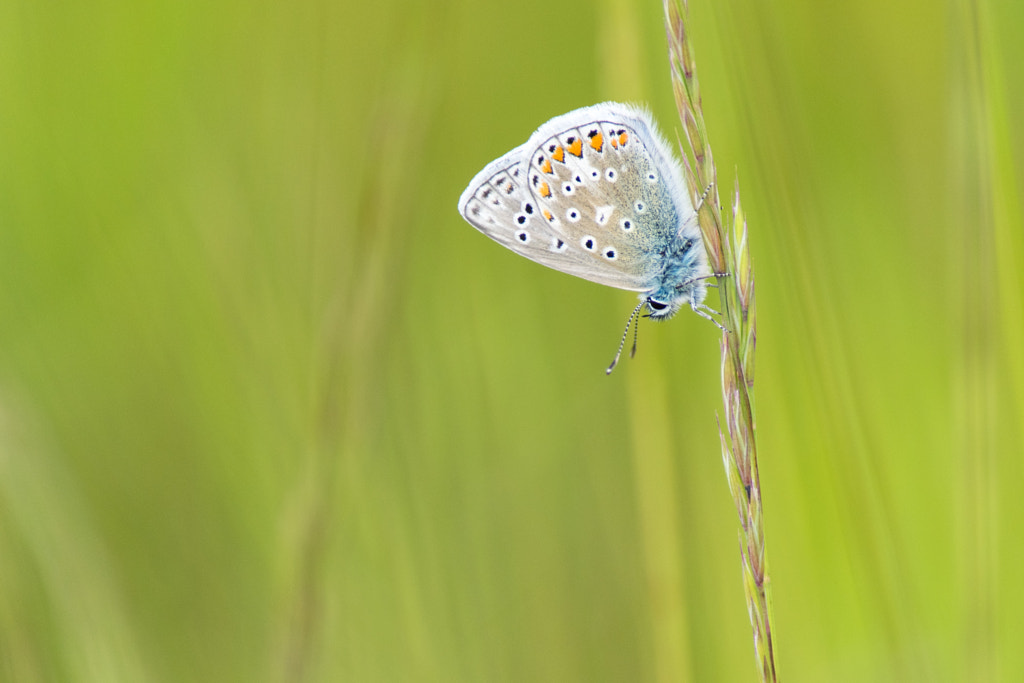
703 311
702 277
705 194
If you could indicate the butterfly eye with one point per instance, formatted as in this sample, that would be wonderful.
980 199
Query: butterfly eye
656 305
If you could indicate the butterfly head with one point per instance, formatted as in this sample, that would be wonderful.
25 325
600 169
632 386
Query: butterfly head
660 309
666 301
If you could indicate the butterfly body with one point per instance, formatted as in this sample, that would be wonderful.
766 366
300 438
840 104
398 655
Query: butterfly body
597 193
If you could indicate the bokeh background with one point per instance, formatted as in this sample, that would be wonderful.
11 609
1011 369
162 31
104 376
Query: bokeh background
271 411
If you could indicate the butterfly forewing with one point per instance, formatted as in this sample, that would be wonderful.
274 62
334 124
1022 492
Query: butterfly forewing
504 210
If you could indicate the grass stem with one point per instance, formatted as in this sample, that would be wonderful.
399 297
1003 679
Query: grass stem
728 252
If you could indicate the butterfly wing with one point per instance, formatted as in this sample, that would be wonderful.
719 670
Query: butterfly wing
499 204
594 193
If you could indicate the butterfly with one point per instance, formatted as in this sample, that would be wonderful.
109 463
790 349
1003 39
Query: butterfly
597 193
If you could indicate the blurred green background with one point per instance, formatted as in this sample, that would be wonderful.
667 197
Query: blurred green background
271 411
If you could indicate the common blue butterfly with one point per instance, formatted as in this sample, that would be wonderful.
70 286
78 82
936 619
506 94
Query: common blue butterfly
597 193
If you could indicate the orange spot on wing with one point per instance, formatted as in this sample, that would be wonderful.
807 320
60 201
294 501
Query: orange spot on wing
547 214
576 148
559 154
546 166
597 142
545 191
622 138
615 143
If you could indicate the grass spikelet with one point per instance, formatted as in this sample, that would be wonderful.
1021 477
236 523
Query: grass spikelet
728 252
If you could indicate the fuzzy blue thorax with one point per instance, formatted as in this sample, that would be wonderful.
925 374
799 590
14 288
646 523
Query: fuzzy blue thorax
684 261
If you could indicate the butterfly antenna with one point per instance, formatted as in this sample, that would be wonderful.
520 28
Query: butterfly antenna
625 332
636 335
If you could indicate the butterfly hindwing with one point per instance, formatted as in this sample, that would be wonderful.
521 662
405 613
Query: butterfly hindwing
590 194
